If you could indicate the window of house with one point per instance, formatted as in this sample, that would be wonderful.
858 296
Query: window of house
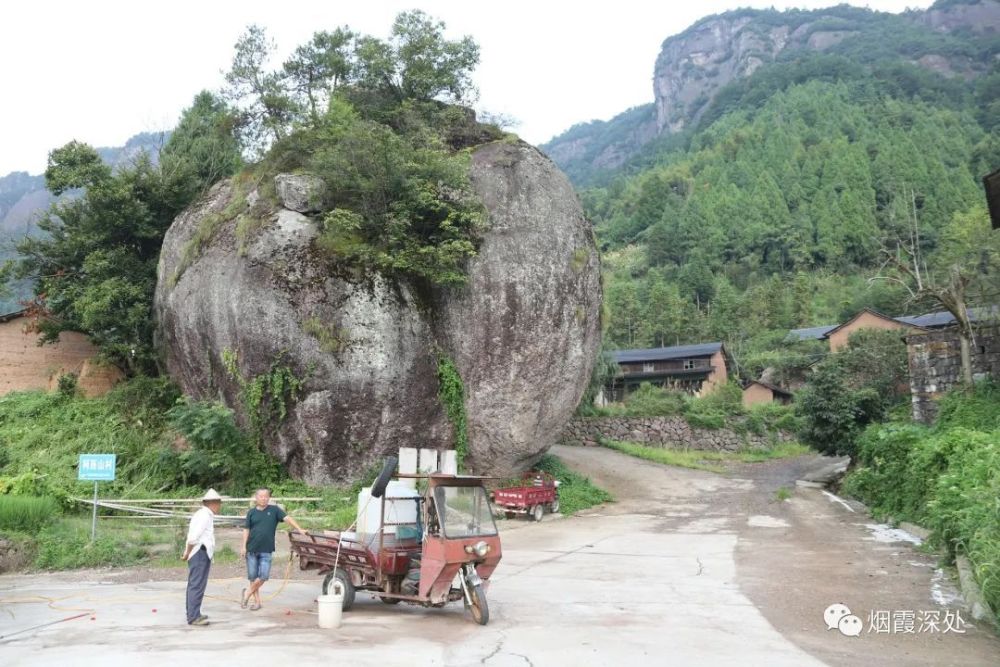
688 364
648 368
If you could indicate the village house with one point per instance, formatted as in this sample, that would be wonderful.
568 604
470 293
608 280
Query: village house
694 369
756 392
866 319
25 365
869 318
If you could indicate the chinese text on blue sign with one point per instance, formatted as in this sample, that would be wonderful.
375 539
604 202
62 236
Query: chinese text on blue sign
96 467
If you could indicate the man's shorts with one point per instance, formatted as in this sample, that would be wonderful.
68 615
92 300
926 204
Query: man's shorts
258 566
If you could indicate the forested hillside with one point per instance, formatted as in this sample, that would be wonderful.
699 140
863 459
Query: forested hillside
773 209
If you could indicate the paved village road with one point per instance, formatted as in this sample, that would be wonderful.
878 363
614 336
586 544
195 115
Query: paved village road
686 568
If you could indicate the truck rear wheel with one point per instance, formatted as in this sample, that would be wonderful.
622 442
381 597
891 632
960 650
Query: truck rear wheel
345 581
554 507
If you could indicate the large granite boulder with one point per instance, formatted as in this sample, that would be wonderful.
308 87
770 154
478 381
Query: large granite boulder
242 288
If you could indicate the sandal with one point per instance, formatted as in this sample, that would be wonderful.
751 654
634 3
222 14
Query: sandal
255 606
244 599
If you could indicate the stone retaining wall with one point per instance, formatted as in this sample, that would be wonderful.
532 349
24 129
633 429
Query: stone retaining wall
665 432
935 360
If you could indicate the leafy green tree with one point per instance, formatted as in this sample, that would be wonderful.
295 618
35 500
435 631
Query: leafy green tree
95 266
428 66
851 389
319 67
666 314
202 149
262 97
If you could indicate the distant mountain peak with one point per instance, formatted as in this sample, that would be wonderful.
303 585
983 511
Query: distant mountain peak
953 38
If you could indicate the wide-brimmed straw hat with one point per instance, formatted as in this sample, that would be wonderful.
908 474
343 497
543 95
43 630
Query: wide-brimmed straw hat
211 494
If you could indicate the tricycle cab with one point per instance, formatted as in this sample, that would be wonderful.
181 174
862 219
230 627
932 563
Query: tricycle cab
459 531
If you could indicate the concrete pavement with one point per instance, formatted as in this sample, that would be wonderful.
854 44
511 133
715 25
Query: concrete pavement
679 571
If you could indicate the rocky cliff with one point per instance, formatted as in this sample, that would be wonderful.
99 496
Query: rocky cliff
695 65
522 333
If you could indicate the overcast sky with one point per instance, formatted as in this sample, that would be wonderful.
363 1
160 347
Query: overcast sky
100 71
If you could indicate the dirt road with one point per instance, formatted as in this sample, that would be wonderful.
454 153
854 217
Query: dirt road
686 568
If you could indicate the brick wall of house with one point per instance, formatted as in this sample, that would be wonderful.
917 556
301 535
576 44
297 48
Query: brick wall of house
756 393
24 365
838 338
718 377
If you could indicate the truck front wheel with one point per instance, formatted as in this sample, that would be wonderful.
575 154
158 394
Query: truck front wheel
478 606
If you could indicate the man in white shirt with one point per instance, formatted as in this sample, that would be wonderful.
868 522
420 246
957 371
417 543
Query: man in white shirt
198 552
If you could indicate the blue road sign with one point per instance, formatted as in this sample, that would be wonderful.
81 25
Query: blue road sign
96 468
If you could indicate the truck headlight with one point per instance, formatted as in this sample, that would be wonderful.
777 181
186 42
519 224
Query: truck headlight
480 549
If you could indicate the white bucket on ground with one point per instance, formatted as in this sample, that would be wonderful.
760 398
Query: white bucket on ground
331 607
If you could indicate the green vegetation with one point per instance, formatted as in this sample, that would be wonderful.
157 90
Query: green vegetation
383 123
945 477
782 494
165 448
683 458
722 408
66 545
27 514
781 204
331 339
451 392
851 389
162 445
94 265
66 384
706 460
266 397
576 492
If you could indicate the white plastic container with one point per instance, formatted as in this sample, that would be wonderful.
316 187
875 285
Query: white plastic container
331 607
396 511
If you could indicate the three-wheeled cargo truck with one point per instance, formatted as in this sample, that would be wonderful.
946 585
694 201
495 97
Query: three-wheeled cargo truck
426 548
532 495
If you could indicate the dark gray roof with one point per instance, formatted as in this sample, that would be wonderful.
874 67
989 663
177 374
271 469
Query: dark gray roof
929 320
945 319
666 353
809 333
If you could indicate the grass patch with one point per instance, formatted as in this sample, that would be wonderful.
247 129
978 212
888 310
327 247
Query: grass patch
66 545
576 492
27 514
782 494
225 555
703 460
683 458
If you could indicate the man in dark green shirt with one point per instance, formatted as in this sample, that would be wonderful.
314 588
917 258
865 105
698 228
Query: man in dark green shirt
258 543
